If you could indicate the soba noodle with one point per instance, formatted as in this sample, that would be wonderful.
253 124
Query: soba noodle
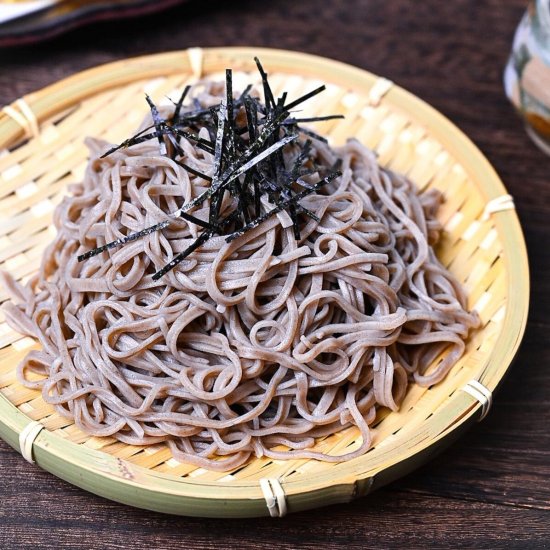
254 347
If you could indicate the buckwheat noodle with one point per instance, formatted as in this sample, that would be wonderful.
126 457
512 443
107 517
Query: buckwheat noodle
254 347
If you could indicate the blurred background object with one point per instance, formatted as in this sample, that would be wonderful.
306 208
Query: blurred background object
15 9
527 75
24 22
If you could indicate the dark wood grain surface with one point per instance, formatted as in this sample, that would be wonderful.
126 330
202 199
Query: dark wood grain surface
489 490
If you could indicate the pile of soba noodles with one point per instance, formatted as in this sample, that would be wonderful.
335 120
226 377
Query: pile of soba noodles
254 347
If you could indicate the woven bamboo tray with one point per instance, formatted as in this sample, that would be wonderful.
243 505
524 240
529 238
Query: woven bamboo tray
41 151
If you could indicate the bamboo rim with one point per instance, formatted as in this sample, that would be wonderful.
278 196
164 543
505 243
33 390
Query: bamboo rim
106 475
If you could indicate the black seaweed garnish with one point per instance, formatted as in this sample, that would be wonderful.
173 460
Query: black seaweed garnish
199 241
192 170
290 121
268 94
123 240
257 152
283 205
179 104
159 125
305 97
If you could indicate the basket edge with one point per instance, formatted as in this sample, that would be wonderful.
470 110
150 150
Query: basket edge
399 95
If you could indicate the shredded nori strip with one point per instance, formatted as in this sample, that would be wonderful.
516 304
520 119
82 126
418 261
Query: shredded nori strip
230 112
197 221
218 148
300 159
201 143
134 140
192 170
282 206
251 109
200 240
308 213
246 92
311 134
290 121
179 104
237 166
159 125
305 97
124 240
268 94
249 161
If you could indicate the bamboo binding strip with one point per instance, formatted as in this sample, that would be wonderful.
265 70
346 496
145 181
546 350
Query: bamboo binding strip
195 61
380 88
27 437
498 204
485 252
24 116
482 394
274 495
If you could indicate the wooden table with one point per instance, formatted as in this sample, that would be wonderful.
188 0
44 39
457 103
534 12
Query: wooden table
492 488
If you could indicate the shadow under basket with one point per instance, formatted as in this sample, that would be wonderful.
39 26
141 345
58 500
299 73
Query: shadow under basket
42 150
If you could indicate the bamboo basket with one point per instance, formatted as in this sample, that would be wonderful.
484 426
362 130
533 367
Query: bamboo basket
41 151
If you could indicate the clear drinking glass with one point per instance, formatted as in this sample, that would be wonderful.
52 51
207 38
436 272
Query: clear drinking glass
527 74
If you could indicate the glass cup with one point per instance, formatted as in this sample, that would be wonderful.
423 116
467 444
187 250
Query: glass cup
527 74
